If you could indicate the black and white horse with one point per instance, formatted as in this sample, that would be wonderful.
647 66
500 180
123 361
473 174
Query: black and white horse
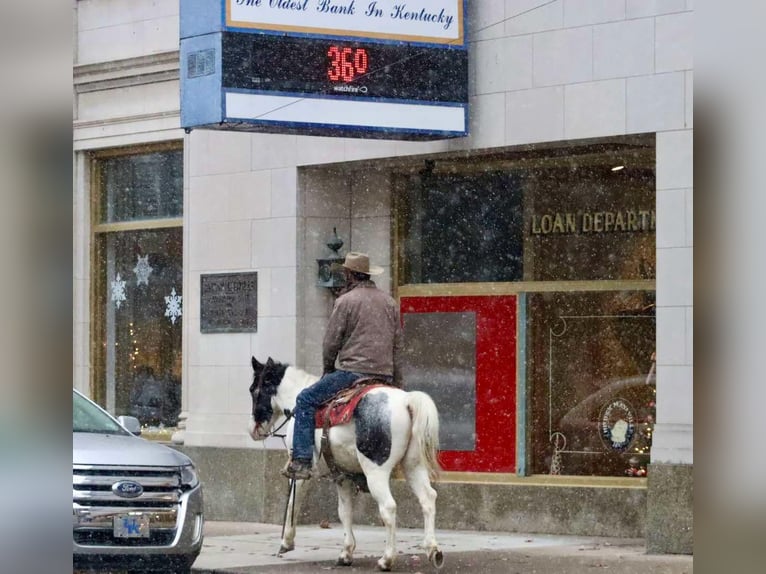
390 427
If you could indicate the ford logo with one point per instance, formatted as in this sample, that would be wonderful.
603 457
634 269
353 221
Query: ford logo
127 489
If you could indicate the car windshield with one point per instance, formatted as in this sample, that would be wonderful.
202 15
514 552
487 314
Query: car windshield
87 417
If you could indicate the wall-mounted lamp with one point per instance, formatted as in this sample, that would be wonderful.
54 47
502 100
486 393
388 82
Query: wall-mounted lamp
330 271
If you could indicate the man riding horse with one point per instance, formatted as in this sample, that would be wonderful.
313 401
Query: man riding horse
364 336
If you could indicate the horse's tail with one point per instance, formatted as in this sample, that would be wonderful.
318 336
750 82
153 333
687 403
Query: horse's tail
425 430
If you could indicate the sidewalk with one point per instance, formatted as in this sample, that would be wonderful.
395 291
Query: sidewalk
245 548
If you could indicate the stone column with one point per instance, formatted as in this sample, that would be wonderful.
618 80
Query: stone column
670 483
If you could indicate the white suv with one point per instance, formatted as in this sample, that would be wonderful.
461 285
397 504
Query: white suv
137 505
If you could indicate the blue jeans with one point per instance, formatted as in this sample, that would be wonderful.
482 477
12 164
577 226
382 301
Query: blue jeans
305 408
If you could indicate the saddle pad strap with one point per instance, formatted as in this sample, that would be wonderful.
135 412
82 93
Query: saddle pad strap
325 449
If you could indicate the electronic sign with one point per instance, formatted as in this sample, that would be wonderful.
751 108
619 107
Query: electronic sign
378 68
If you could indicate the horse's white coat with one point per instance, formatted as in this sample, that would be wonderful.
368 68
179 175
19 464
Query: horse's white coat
414 445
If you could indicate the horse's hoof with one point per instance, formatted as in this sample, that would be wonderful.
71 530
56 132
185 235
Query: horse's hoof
283 549
385 565
436 558
343 561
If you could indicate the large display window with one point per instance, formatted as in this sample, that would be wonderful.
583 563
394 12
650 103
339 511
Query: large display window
568 230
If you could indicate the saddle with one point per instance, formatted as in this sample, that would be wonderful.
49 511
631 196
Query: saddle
337 411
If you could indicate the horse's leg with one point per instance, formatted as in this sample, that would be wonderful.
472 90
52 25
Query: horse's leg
420 483
378 483
293 508
345 513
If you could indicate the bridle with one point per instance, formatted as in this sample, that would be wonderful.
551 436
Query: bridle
288 414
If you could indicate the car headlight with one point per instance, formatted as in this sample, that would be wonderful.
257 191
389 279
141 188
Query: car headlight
189 476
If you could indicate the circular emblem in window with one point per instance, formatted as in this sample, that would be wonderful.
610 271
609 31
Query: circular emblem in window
617 425
127 489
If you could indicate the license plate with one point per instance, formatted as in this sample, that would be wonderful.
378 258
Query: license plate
131 526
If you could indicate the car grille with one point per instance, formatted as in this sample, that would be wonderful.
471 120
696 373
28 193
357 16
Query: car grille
95 505
105 538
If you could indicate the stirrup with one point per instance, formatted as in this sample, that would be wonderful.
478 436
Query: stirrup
297 470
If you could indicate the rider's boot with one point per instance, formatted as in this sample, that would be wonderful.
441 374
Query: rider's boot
298 469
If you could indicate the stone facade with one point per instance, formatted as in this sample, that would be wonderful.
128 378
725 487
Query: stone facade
565 70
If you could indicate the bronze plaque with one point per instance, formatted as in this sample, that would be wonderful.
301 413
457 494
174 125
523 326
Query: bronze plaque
229 303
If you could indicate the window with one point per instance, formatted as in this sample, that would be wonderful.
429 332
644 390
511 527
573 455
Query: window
138 279
141 187
567 231
591 381
569 213
463 227
441 361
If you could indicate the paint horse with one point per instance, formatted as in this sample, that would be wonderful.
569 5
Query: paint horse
389 427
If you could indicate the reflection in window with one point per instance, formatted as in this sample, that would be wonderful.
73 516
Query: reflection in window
591 381
463 227
440 359
143 186
142 324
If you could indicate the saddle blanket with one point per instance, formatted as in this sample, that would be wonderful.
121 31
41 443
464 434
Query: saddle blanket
341 407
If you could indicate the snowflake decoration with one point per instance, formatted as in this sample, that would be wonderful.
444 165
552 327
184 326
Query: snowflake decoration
118 290
173 306
143 270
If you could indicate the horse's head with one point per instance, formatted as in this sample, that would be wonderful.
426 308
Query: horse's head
263 390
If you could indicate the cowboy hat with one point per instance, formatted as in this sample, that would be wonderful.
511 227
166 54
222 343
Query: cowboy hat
360 263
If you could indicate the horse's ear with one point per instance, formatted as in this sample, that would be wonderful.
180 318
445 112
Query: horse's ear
256 365
270 362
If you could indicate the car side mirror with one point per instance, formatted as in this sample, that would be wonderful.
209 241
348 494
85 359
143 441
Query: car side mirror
132 424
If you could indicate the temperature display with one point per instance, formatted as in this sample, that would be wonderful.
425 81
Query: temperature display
292 65
347 64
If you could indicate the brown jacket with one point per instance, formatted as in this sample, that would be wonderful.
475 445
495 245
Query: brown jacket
364 333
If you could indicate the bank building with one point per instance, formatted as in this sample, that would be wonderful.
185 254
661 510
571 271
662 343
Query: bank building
522 171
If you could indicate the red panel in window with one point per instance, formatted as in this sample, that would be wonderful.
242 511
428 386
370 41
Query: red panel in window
495 379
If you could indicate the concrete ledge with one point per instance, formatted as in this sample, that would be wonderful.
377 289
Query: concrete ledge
245 485
670 509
